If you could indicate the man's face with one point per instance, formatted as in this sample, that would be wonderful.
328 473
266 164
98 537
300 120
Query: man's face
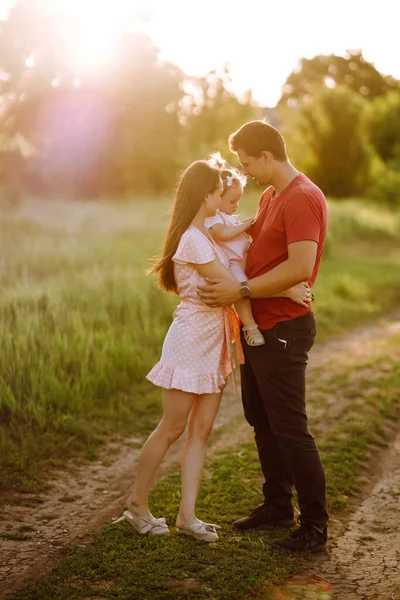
257 167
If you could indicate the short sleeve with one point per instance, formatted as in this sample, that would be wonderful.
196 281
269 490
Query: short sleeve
303 219
194 248
216 219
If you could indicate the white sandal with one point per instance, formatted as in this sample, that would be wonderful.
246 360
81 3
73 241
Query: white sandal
204 532
253 335
145 525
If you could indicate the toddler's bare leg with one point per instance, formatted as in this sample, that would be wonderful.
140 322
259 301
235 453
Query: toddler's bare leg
243 309
252 334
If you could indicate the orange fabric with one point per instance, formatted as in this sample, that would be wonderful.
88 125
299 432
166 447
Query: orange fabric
232 334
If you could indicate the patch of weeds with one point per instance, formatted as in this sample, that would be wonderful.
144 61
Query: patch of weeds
25 528
137 444
27 486
68 498
29 501
91 454
67 549
17 537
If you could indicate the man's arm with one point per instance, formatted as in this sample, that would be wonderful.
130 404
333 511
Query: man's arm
296 268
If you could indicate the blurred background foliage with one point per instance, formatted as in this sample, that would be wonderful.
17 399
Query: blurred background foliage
81 323
131 127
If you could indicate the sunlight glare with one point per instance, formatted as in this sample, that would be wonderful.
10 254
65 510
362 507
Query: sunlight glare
92 50
91 30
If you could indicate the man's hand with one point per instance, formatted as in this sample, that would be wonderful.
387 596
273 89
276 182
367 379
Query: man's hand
219 292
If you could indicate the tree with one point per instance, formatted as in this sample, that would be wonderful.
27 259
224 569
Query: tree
210 112
144 93
328 71
113 131
384 130
117 130
384 126
328 138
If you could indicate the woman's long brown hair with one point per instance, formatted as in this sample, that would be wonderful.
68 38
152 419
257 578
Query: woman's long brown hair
198 180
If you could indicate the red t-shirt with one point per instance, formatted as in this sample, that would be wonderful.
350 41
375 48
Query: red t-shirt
298 213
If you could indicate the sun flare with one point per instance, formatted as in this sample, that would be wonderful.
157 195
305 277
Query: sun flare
91 29
89 50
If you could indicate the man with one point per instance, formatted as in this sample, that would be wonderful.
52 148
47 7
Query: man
288 239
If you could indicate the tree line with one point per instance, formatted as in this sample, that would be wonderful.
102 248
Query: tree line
131 127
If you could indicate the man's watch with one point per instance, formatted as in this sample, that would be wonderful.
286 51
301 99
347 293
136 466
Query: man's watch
244 289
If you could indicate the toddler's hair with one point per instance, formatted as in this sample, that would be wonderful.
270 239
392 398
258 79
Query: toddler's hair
228 174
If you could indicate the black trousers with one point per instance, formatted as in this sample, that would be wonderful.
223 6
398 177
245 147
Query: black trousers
273 394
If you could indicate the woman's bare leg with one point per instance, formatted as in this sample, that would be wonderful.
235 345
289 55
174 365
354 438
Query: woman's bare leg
201 422
176 409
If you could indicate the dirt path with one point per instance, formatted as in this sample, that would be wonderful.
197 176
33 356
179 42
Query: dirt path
363 555
363 560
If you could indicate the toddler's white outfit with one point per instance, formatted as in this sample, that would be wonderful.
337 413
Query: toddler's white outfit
235 249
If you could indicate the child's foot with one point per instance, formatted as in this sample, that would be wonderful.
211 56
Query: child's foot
253 335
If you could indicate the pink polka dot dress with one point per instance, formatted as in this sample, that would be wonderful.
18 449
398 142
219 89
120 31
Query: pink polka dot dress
195 355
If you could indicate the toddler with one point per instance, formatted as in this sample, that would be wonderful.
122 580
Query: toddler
226 228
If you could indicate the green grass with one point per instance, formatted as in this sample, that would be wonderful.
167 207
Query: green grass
81 324
121 565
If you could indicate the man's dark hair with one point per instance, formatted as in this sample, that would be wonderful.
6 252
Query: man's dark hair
257 136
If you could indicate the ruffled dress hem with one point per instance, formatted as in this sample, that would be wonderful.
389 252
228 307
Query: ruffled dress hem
169 377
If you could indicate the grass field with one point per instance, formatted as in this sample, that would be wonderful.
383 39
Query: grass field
81 323
122 565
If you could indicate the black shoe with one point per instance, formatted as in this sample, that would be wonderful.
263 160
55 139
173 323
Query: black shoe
266 516
304 539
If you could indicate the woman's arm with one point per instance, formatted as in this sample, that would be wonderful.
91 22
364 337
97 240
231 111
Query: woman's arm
214 269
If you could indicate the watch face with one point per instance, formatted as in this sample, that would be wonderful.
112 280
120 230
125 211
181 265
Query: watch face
245 291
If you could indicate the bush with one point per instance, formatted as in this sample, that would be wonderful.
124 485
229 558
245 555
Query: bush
327 138
387 187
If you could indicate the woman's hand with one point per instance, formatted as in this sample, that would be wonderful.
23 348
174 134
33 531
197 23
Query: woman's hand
300 293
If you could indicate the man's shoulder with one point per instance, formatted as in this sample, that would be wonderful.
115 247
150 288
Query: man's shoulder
305 194
304 186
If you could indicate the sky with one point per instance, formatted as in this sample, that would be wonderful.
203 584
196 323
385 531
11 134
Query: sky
262 41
